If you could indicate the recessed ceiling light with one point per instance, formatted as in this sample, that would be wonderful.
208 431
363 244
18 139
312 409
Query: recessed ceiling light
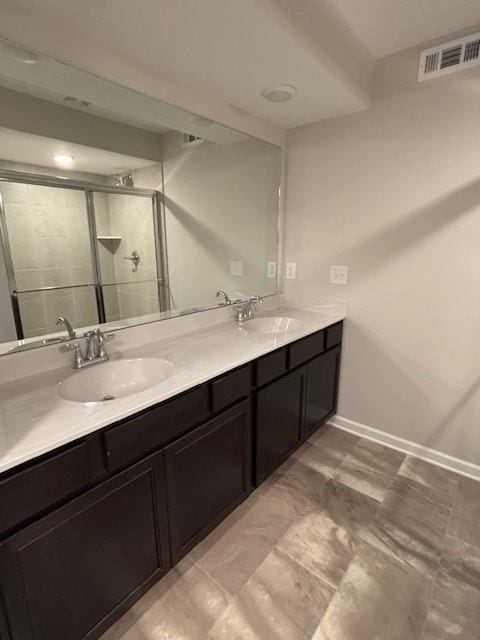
63 160
279 93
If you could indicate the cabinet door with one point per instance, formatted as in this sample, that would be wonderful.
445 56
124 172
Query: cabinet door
280 417
70 575
321 389
208 474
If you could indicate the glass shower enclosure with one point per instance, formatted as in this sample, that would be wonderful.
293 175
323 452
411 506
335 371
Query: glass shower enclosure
91 253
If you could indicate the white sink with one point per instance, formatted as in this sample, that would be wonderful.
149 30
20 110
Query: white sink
273 325
115 379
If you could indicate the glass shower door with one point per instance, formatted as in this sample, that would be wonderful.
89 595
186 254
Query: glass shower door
48 256
128 255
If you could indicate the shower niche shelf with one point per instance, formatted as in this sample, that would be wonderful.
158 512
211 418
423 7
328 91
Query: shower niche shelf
110 242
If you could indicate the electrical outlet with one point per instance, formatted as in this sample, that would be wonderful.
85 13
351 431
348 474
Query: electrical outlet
271 269
291 271
236 268
338 274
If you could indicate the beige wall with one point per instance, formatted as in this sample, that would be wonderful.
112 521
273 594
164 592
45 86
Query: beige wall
221 205
21 112
394 193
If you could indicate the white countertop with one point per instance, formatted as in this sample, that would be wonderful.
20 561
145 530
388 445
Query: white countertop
34 419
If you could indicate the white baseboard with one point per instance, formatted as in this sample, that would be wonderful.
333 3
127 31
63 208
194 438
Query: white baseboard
406 446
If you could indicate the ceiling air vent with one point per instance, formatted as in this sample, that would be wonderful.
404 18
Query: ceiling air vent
449 57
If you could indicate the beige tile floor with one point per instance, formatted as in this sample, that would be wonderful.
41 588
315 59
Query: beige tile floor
348 540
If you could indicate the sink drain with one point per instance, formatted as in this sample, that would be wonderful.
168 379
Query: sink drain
108 398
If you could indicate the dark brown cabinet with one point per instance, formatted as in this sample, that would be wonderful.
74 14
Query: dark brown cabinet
321 390
208 474
71 574
290 409
135 438
112 512
27 493
279 422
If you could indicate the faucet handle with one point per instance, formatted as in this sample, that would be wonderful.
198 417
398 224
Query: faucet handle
69 346
256 299
78 359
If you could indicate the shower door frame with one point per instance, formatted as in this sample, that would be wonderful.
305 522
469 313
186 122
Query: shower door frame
89 189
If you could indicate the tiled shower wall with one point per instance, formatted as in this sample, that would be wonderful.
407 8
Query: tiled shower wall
49 239
50 246
130 218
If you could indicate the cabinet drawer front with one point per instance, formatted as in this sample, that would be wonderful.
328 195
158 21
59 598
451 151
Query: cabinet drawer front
34 489
208 474
306 349
231 387
334 335
271 366
147 432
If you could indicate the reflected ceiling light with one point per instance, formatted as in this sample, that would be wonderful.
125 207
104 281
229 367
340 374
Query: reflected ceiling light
63 160
71 100
21 55
279 93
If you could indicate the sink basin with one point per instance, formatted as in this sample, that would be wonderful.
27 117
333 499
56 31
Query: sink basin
274 325
115 379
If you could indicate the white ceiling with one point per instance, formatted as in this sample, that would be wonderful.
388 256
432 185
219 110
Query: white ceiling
230 49
388 26
25 148
233 49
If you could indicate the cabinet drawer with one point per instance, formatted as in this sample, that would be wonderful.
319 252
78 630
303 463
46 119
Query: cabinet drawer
334 335
132 440
306 349
231 387
36 488
271 366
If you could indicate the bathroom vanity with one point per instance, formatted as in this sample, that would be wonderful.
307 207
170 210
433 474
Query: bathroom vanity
87 527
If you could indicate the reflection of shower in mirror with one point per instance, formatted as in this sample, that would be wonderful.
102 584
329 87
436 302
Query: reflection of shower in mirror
125 180
135 258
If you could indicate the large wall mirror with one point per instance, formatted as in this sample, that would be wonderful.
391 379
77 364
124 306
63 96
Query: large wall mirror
118 209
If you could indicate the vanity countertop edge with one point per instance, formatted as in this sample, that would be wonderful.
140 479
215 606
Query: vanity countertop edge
34 420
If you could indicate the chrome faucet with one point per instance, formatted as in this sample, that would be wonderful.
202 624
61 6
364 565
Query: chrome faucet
246 310
224 295
63 322
95 351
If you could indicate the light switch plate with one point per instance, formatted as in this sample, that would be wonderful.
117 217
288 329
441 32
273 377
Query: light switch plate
338 274
271 269
291 271
236 268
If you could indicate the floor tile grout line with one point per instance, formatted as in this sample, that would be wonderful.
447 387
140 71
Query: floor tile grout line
437 572
309 570
214 580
